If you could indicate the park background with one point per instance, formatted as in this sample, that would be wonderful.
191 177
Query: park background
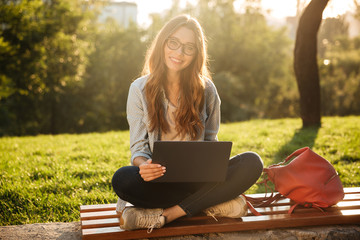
62 71
64 79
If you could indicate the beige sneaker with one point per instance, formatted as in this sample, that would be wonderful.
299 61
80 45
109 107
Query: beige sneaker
234 208
136 218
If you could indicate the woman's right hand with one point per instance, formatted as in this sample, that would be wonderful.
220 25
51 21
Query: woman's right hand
150 171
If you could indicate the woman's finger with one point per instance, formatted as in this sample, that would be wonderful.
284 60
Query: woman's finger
149 171
150 178
151 174
151 168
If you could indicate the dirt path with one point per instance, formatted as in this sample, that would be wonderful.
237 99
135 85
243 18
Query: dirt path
42 231
71 231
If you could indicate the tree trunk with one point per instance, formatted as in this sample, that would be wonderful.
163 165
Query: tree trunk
305 63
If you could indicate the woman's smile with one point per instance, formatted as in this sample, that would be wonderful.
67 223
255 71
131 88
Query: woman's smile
176 60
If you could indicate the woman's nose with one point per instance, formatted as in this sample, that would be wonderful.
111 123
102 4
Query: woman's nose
180 50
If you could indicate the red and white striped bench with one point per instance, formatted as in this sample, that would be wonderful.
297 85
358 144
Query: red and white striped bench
102 221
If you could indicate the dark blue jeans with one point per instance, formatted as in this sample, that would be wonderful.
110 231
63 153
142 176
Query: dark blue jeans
243 171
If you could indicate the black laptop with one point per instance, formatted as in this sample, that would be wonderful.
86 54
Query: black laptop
192 161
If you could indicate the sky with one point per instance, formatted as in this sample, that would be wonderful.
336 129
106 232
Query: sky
283 8
278 8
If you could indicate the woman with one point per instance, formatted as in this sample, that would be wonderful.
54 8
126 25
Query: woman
176 100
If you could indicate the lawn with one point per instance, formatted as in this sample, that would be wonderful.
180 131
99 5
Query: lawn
46 178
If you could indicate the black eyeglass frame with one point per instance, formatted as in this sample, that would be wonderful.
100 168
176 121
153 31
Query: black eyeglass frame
182 45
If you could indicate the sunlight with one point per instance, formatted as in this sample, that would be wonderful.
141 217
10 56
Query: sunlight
285 8
350 212
280 8
273 8
146 7
338 7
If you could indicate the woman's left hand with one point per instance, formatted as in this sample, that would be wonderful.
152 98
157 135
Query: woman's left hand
150 171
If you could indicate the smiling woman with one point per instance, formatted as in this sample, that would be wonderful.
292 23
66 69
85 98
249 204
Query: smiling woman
176 100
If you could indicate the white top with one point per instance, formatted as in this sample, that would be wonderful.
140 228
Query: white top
172 134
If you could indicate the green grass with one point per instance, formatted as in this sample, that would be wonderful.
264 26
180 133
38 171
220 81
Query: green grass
47 178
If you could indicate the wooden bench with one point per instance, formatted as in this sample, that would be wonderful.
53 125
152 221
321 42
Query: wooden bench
102 221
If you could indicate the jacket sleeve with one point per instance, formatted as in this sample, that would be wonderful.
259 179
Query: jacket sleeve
212 122
139 138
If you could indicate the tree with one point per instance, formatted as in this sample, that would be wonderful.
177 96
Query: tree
64 58
21 33
251 61
330 30
305 63
115 62
40 53
340 77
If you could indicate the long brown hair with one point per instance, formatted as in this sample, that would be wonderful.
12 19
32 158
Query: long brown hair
192 82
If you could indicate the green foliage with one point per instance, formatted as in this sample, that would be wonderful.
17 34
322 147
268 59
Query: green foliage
331 29
21 32
257 56
339 66
115 62
40 54
73 77
340 77
46 178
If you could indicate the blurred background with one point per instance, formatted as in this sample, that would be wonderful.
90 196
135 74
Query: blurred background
66 65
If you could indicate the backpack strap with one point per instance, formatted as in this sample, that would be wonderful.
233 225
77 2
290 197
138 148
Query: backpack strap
296 153
313 205
251 207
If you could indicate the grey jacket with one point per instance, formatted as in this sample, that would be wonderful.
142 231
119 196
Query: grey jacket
142 140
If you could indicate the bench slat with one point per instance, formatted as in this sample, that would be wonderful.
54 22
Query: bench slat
352 190
107 222
97 207
98 215
100 207
351 196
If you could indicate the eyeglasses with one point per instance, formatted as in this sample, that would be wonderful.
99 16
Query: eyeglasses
187 48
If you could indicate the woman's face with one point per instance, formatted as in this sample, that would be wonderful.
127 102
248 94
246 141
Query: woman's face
180 50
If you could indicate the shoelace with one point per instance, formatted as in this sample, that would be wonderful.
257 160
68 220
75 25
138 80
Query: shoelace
146 220
212 215
220 210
